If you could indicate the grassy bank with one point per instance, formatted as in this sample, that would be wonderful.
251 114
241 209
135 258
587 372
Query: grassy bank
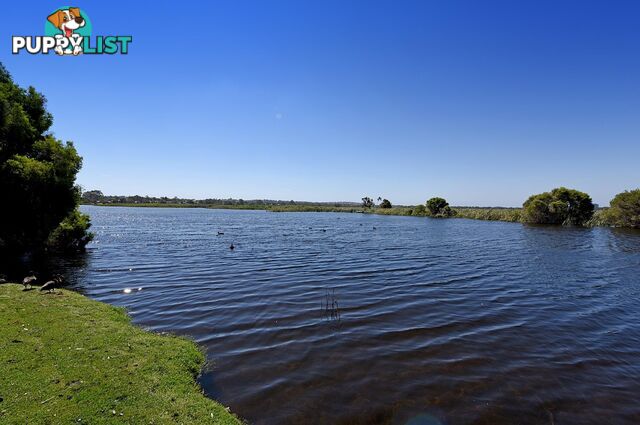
513 215
491 214
313 208
65 358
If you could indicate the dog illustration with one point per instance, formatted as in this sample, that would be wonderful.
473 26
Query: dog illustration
67 20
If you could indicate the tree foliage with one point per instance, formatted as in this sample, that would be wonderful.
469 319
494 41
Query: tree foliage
625 209
560 206
37 175
385 204
367 202
439 207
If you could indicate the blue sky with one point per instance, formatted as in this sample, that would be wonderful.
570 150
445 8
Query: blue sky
481 102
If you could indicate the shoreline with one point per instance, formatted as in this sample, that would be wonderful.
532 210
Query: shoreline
70 358
506 214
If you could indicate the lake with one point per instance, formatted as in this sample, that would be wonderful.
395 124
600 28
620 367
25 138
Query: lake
327 318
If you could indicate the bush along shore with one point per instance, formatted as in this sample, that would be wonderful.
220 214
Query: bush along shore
37 178
69 359
560 206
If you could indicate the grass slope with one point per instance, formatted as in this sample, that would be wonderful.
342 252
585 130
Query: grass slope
65 358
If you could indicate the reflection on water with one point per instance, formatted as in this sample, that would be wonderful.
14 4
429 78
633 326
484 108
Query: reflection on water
434 321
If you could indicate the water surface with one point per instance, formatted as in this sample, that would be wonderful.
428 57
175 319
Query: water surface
434 321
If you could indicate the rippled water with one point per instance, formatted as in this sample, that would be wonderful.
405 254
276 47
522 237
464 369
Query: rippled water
434 321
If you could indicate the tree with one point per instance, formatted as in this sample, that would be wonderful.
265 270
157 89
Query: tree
625 209
560 206
439 207
37 176
385 204
92 196
367 202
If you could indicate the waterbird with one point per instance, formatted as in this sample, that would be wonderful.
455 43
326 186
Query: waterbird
29 280
54 283
220 233
232 247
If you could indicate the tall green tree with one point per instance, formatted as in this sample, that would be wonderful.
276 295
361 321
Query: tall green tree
625 209
37 177
560 206
385 204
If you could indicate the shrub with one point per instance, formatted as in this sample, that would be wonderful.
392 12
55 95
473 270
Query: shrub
439 207
385 204
560 206
72 234
419 210
625 210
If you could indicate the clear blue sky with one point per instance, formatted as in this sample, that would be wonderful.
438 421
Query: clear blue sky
481 102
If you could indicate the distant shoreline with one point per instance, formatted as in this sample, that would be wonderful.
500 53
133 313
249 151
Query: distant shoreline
506 214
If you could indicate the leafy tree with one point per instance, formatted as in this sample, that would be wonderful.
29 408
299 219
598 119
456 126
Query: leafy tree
439 207
385 204
367 202
560 206
37 176
92 196
625 209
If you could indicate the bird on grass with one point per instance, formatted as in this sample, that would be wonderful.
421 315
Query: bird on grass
28 281
54 283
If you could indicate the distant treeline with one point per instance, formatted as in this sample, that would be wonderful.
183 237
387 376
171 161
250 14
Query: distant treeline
96 197
560 206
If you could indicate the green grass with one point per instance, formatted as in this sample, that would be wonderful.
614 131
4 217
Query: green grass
313 208
67 359
392 211
492 214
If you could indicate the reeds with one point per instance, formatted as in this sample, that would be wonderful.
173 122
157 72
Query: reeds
329 306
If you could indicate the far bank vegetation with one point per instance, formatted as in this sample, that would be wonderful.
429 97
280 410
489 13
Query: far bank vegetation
560 206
